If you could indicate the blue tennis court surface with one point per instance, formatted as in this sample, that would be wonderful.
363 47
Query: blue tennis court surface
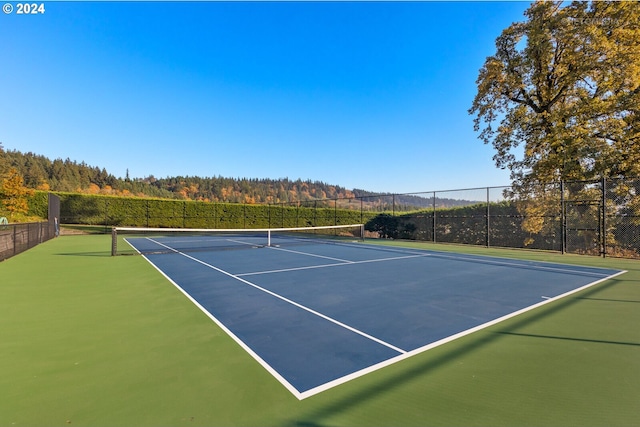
317 315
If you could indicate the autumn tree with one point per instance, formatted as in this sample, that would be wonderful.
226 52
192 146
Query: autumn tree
560 101
565 86
13 193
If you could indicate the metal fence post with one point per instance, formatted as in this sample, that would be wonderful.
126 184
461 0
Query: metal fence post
393 204
106 215
563 218
488 221
603 234
434 217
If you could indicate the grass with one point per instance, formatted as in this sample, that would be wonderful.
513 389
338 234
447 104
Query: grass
89 339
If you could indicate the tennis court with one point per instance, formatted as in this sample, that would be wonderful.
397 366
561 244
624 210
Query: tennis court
319 312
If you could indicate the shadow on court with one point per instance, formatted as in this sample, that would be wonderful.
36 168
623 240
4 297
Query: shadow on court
551 337
85 254
611 300
474 342
387 386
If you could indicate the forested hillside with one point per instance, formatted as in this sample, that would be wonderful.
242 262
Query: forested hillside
42 173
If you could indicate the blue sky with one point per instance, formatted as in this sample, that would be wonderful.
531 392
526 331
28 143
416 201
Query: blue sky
369 95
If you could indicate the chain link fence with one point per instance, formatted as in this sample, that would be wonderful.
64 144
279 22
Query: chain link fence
620 222
17 238
598 217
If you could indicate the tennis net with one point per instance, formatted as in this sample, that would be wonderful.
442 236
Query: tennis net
144 241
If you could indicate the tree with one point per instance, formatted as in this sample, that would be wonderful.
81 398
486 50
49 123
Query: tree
565 84
13 193
385 225
4 163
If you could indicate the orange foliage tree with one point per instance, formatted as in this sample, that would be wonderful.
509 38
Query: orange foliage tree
13 193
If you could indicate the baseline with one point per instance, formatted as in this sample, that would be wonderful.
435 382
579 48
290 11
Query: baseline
453 337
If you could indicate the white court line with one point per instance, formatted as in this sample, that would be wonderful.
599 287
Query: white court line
357 374
222 326
488 259
405 354
311 255
310 267
310 310
243 243
506 263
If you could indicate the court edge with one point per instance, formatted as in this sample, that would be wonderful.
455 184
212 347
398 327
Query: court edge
342 380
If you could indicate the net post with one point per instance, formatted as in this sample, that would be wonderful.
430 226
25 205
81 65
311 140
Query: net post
269 238
114 241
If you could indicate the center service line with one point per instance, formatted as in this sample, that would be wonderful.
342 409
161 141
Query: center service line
372 338
311 267
311 255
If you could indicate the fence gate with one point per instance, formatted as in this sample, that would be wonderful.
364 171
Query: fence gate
583 227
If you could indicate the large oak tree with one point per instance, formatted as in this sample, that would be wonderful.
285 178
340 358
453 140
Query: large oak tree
560 98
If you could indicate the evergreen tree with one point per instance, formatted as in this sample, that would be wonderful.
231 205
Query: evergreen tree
4 163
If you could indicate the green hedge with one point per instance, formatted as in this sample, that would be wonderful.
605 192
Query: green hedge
145 212
39 204
468 225
454 225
